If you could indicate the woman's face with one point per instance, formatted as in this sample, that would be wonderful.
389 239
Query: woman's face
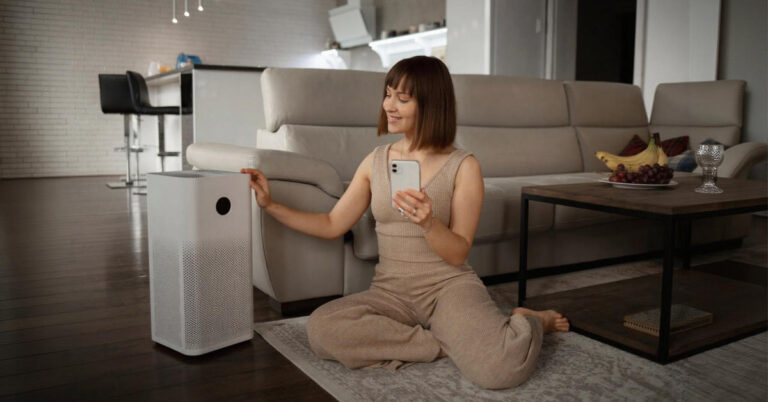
401 110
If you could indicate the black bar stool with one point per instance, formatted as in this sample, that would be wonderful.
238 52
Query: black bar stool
115 97
141 106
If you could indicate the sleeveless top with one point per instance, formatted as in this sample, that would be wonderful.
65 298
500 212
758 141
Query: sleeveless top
398 237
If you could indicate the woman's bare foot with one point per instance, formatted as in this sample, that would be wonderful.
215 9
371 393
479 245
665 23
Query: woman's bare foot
551 319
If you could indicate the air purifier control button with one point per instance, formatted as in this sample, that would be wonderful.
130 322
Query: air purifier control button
223 205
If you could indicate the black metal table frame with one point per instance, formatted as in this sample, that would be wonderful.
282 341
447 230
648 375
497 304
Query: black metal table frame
670 222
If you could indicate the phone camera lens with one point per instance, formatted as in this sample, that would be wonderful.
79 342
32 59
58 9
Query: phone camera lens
394 165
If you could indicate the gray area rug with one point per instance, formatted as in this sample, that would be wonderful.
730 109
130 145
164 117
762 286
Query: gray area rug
571 367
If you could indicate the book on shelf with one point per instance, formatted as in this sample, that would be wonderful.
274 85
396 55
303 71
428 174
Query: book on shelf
682 318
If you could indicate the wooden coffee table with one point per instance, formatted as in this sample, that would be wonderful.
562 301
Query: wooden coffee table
597 311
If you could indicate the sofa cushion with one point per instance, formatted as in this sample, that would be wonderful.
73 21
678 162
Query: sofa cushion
703 104
365 244
700 110
504 192
569 217
504 101
343 147
605 104
607 139
490 226
508 152
320 97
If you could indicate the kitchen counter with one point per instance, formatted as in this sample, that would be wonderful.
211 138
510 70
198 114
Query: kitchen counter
226 108
218 67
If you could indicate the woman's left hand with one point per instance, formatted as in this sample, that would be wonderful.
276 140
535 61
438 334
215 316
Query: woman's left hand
416 206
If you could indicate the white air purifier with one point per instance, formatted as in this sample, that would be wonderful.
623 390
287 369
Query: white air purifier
199 226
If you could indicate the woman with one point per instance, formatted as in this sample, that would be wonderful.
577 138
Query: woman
424 302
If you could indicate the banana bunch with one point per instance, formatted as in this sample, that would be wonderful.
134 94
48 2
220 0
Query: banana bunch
651 155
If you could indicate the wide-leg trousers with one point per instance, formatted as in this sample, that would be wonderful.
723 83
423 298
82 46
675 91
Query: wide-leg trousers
417 312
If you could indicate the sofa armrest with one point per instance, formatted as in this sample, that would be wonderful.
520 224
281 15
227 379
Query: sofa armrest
276 164
739 159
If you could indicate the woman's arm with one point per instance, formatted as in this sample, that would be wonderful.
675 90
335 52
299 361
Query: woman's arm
342 217
451 244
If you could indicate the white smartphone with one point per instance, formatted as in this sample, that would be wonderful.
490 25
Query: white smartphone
403 175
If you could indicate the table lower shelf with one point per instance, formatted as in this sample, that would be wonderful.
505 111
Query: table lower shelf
735 293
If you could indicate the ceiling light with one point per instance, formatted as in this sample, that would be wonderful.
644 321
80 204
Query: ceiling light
174 20
199 5
186 10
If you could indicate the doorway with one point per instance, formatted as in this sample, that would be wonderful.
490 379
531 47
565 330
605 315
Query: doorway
605 40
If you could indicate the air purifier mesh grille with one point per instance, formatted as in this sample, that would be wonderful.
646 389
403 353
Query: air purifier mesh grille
217 292
164 282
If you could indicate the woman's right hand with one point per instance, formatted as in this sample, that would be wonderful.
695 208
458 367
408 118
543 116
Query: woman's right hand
260 186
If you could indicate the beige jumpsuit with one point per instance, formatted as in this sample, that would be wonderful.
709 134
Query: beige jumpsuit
419 307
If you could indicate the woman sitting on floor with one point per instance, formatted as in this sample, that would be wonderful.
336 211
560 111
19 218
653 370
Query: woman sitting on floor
425 302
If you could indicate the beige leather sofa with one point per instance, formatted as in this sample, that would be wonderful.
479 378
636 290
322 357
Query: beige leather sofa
322 123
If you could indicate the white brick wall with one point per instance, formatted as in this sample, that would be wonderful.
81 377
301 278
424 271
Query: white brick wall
51 52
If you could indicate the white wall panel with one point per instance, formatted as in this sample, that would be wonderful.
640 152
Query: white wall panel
681 43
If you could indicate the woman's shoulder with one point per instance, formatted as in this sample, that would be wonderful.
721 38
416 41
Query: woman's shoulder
468 164
460 153
366 165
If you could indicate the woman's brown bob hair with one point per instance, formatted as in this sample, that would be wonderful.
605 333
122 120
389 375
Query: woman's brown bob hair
428 80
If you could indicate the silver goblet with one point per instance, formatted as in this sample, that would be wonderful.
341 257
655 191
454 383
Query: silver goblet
709 157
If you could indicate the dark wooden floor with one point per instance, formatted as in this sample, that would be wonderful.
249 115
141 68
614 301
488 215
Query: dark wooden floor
74 308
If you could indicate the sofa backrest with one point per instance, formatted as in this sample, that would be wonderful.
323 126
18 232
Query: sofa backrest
328 114
515 126
700 110
605 115
319 97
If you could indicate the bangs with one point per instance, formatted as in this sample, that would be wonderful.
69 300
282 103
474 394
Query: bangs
397 76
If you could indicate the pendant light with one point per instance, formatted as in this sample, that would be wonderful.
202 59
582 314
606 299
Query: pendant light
174 20
199 5
186 10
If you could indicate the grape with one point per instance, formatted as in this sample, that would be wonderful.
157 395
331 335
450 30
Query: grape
645 174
